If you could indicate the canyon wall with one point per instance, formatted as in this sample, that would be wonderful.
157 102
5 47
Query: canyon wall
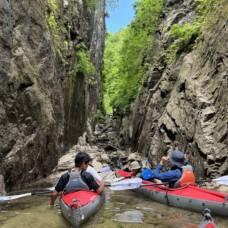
46 100
184 104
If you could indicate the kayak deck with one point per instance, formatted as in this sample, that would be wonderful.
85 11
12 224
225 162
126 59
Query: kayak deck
78 206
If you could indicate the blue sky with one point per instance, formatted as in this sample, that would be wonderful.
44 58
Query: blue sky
120 16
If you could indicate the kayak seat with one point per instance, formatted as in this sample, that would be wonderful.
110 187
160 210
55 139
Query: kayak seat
187 178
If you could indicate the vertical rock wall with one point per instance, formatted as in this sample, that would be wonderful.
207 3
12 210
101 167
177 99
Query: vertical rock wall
30 93
83 91
186 104
39 101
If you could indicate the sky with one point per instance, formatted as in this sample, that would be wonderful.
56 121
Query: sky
120 16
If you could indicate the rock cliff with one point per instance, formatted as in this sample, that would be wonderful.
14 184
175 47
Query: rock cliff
184 104
43 93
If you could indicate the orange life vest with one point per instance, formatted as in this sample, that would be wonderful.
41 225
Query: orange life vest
187 177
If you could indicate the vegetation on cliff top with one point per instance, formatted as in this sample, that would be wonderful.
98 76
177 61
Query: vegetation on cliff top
127 52
126 56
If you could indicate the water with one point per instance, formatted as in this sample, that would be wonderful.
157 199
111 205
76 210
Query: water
122 209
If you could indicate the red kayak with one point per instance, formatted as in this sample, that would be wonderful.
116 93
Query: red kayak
208 221
78 206
188 197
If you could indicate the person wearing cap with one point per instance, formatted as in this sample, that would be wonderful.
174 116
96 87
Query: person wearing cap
135 169
178 160
77 178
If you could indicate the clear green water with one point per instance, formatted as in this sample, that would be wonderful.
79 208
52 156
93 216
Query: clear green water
123 209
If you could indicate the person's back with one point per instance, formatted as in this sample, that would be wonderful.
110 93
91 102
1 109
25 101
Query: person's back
94 173
85 180
187 177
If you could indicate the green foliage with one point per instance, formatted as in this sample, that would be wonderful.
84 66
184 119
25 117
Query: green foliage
100 116
83 63
91 3
125 58
185 36
127 52
206 12
56 29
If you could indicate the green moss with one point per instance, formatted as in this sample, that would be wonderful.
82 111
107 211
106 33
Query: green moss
207 12
186 36
55 29
83 63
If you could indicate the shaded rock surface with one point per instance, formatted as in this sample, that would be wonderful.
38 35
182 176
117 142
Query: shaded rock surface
2 186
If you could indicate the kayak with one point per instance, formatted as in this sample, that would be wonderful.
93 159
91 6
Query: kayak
208 221
189 197
78 206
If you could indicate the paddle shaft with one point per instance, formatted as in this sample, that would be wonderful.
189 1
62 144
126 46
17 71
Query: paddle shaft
40 193
153 184
13 197
202 181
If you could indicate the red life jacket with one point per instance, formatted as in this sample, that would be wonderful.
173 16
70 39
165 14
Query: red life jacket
187 177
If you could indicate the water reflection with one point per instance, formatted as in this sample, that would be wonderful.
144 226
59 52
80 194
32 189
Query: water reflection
129 216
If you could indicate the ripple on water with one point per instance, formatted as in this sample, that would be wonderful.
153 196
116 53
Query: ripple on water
129 216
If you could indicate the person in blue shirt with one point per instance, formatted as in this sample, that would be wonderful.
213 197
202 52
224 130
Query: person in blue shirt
178 160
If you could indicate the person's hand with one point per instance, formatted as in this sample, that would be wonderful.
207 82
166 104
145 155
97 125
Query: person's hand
164 160
51 206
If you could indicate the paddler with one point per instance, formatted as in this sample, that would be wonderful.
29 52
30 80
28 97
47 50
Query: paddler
77 179
180 174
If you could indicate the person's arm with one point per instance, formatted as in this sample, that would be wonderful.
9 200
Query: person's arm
101 188
171 175
164 160
94 173
90 181
59 187
53 197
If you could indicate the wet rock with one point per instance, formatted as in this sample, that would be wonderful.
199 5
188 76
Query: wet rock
134 157
2 186
222 188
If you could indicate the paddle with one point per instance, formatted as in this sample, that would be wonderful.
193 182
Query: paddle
126 184
221 180
7 198
129 184
134 183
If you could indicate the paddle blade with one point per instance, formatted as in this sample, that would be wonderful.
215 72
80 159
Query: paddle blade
120 188
51 188
113 180
7 198
126 184
221 180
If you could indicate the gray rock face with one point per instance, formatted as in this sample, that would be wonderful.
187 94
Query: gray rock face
2 186
83 93
34 84
186 104
30 94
